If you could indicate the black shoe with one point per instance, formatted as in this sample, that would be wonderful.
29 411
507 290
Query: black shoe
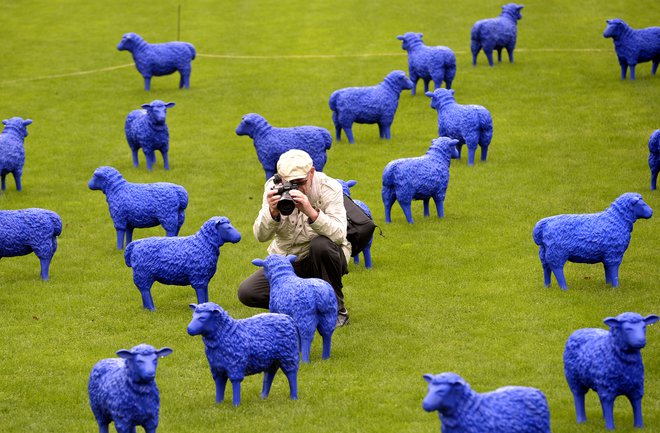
342 318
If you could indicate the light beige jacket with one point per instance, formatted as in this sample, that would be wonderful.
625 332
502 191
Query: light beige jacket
293 233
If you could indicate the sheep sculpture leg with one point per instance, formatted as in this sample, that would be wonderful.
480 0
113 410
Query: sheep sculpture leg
612 274
559 275
17 179
136 161
654 179
236 391
5 186
484 153
608 412
151 159
654 68
166 161
201 290
439 205
147 83
45 264
426 206
578 400
636 404
367 258
220 380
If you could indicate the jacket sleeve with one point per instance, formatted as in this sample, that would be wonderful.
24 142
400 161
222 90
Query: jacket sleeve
331 221
265 226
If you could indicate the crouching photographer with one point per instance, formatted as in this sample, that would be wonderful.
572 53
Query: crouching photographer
302 213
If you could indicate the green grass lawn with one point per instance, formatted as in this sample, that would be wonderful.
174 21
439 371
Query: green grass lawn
463 293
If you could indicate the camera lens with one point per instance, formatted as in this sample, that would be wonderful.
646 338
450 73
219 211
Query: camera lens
286 205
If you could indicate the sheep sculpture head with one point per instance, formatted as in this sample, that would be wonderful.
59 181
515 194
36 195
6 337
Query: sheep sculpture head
142 360
128 42
410 40
205 318
157 110
398 80
224 231
101 177
632 204
17 124
513 10
615 28
629 330
445 391
275 263
249 124
440 97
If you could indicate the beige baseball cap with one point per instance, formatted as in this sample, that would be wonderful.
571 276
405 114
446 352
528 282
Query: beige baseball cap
294 164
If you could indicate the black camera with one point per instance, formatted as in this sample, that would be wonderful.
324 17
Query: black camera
285 205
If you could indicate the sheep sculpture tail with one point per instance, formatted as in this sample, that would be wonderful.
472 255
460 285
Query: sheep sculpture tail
57 223
127 254
191 48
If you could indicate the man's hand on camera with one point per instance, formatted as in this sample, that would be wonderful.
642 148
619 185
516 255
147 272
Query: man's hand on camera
303 205
273 197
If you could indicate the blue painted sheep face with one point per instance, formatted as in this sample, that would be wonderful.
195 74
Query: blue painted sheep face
17 124
614 28
399 80
157 110
100 177
127 42
445 390
631 328
142 361
203 319
642 210
249 123
227 232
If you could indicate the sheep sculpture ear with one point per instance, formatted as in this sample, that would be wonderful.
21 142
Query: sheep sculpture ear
292 258
611 322
27 122
193 307
146 106
400 37
170 104
351 183
420 34
258 262
124 354
428 378
429 94
6 121
651 319
164 352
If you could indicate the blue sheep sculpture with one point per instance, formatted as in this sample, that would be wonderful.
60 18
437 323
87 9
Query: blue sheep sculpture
155 60
654 157
181 261
238 348
366 252
610 363
421 178
271 142
30 230
634 46
374 104
428 63
12 150
311 302
124 389
469 124
147 129
140 205
510 409
602 237
496 33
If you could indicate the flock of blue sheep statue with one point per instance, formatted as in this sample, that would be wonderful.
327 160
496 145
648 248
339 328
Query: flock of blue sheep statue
123 390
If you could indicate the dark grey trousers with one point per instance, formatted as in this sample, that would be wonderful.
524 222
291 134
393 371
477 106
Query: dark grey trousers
325 260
